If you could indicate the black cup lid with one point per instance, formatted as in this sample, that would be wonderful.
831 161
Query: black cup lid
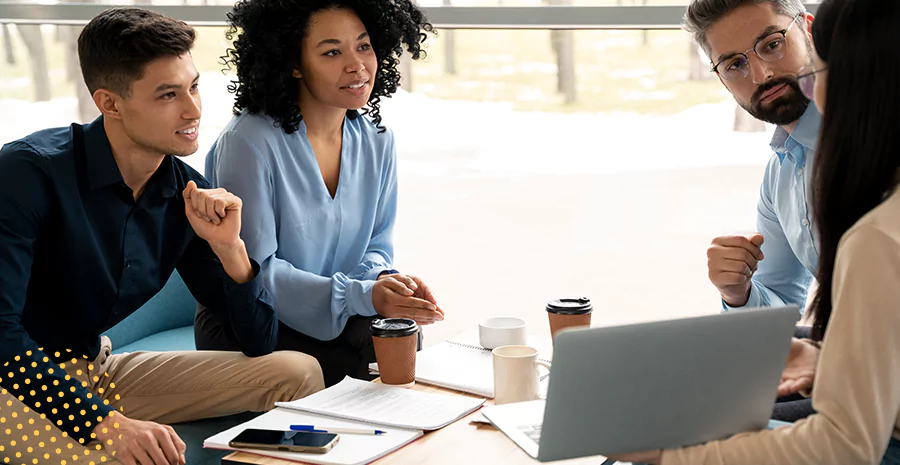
393 327
578 306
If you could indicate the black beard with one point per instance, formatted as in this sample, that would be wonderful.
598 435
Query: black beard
783 110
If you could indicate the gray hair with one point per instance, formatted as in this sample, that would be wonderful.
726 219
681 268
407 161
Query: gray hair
702 14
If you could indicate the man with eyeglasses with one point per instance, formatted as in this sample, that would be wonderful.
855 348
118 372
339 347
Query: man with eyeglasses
762 53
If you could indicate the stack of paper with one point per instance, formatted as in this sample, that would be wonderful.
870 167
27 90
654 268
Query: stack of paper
352 403
381 404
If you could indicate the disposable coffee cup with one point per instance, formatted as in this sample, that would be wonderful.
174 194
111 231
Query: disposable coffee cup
396 341
569 313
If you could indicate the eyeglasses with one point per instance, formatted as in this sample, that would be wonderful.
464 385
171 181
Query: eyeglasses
807 80
770 48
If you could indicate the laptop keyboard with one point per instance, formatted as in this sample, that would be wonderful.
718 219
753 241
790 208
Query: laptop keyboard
533 432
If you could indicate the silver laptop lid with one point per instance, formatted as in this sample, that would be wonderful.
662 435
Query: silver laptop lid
664 384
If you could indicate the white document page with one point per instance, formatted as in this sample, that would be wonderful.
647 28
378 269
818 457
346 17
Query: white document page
380 404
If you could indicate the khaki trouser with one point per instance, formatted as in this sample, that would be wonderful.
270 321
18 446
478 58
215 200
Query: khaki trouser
164 387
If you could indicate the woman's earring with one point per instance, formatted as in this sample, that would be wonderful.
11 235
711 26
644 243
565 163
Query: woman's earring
296 74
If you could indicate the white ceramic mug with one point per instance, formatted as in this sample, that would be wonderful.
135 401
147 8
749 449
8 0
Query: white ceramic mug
516 377
502 331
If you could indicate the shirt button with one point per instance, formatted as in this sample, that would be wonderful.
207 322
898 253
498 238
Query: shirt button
800 172
805 222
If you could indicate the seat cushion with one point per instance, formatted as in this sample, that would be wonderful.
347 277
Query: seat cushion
173 307
171 340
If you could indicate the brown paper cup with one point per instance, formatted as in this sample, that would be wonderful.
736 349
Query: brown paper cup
396 357
559 321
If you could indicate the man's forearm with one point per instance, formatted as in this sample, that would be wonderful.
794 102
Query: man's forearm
235 261
25 363
737 298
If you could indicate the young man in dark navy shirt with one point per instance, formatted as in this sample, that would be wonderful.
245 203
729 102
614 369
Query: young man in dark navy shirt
93 221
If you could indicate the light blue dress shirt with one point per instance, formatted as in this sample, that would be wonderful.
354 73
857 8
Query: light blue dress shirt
319 256
784 218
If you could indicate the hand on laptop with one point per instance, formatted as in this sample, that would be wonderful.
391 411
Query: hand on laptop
732 261
650 457
145 442
800 370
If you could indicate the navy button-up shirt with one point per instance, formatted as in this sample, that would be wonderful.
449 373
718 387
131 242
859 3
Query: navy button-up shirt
78 254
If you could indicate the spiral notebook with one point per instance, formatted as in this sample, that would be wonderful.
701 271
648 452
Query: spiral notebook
462 364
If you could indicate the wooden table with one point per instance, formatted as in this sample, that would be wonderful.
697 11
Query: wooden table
460 443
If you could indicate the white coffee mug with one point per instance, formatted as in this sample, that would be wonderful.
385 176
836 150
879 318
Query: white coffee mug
516 377
502 331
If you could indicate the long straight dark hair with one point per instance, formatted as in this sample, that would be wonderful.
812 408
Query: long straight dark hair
858 156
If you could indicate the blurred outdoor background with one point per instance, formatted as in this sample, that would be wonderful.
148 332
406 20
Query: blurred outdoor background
534 164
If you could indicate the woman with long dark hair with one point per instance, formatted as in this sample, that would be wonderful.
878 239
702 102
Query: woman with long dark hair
855 81
316 169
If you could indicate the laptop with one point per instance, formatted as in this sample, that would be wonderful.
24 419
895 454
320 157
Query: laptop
654 385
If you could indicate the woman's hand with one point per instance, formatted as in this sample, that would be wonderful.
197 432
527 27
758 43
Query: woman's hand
401 296
800 370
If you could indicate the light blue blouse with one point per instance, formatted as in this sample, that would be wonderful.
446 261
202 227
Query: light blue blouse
319 256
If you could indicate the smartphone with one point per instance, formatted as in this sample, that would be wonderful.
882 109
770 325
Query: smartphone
285 441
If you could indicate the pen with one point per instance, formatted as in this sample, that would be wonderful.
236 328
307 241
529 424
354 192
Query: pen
313 429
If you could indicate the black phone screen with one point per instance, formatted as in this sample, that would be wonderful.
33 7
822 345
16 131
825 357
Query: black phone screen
287 438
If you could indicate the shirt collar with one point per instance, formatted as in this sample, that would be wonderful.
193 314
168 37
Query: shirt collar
806 133
103 171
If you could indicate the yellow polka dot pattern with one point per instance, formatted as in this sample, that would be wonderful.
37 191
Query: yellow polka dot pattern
44 447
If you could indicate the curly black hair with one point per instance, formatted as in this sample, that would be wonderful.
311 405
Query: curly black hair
268 47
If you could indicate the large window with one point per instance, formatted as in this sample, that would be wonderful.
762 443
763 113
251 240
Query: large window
534 164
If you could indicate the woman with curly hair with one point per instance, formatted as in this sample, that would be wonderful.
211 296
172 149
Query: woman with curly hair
318 178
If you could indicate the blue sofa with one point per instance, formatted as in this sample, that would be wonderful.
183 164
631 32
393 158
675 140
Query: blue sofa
166 323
